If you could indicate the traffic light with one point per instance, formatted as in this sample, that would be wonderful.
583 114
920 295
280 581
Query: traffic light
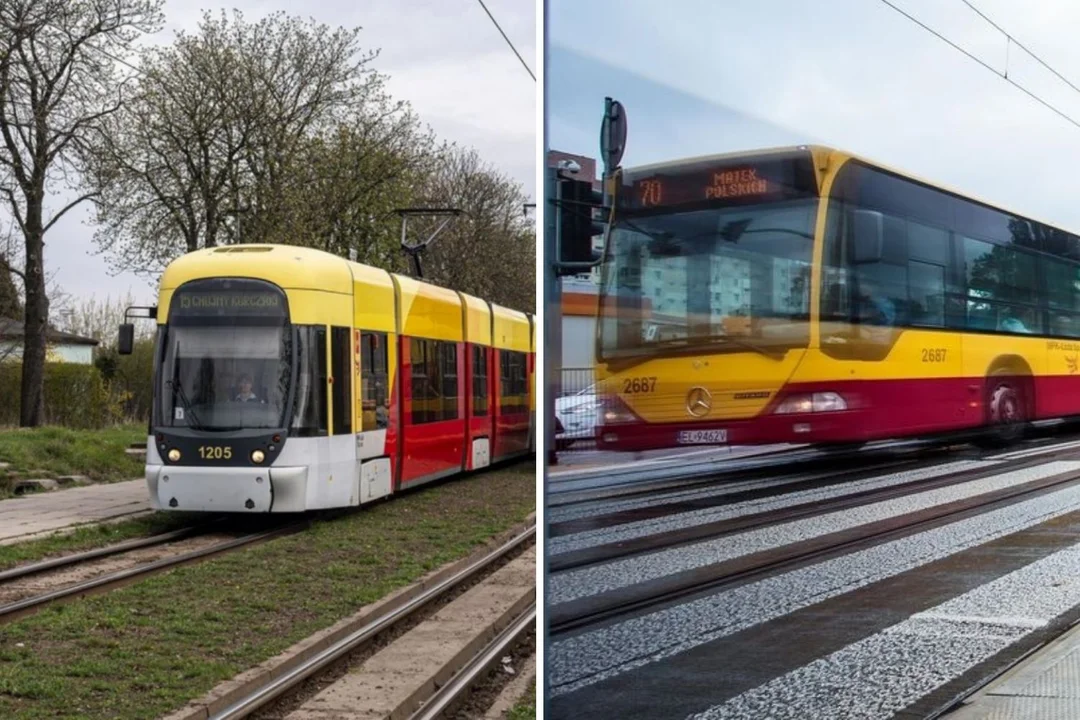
579 206
575 217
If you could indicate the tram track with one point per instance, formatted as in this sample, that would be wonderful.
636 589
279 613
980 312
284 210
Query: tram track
591 610
651 482
775 466
30 602
752 519
277 693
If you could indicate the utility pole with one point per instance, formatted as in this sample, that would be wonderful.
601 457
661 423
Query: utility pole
568 232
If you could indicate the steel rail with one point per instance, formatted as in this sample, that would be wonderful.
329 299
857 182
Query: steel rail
277 686
446 697
105 582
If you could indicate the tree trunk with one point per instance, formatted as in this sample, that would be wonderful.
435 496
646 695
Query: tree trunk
32 409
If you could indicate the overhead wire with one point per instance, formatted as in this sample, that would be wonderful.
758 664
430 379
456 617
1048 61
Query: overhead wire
499 28
1003 76
1013 40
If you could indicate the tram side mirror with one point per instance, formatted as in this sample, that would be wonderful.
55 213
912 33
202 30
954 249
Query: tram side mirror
126 340
868 236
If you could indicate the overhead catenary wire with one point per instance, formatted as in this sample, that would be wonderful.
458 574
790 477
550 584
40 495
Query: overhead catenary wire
1013 41
497 27
986 65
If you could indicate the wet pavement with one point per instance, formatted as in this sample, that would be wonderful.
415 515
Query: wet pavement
902 626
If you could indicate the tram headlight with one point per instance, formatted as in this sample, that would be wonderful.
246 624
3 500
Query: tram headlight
174 455
257 456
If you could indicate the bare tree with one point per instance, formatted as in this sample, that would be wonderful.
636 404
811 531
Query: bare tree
98 318
217 118
490 251
341 191
58 80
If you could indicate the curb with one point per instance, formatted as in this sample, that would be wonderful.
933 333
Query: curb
228 692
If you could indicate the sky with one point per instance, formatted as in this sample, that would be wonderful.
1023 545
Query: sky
445 57
699 77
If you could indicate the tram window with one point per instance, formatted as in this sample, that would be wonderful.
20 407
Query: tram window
480 381
375 396
341 372
448 368
310 416
512 381
426 381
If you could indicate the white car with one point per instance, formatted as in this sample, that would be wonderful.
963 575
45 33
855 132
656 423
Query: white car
578 415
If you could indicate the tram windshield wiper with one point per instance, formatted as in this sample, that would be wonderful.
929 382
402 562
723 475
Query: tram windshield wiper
178 389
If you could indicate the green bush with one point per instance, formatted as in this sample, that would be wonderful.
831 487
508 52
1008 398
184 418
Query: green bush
132 376
76 396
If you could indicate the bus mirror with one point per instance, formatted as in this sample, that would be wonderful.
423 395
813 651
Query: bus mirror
868 230
126 341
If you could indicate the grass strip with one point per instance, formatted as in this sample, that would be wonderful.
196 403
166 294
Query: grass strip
525 708
51 452
90 537
144 650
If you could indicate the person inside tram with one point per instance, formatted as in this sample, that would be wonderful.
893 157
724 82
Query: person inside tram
246 393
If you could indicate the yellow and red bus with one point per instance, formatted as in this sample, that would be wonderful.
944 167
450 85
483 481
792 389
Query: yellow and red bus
288 379
805 295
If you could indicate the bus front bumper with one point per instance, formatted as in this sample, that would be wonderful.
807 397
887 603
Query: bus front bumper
842 426
227 489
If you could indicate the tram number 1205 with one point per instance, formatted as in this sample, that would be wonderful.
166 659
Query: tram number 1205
215 452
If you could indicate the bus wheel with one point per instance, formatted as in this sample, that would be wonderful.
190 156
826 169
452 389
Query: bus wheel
1005 412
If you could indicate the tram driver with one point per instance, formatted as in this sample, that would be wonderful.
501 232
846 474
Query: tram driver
246 394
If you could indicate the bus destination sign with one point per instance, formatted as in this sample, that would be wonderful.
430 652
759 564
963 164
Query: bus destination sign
739 183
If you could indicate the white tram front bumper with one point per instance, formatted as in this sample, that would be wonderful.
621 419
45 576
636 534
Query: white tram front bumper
227 489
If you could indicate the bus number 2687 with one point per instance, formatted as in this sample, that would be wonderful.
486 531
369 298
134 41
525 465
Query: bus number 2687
933 355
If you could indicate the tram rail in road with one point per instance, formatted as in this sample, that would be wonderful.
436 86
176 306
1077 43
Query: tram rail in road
837 574
596 608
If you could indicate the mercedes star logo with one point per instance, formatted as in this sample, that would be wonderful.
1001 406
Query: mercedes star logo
698 402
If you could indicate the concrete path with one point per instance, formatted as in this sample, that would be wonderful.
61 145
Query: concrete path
1044 686
35 515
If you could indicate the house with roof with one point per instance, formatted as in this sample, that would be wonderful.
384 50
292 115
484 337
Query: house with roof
62 346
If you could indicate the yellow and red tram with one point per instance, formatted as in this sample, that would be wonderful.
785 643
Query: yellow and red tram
289 379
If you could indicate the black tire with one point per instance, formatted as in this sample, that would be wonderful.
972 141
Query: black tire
563 444
1006 412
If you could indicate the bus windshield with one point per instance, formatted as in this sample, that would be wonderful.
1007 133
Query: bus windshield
735 279
221 378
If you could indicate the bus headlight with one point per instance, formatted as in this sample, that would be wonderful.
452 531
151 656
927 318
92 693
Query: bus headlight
257 456
174 455
811 403
616 411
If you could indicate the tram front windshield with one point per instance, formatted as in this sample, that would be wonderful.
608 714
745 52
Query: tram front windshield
222 378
